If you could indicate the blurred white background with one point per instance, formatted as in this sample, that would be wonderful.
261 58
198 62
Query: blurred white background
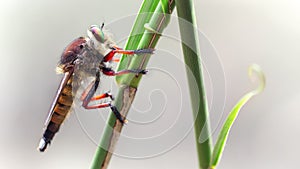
265 135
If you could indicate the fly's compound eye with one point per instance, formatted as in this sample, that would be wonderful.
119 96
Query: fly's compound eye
97 32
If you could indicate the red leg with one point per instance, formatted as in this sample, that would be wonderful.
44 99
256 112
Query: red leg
102 96
97 106
115 59
86 101
111 54
113 109
117 47
88 94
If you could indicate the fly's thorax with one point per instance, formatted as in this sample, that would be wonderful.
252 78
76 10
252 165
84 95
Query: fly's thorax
90 59
87 66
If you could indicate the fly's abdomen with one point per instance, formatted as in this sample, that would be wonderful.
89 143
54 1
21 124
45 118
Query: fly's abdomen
58 113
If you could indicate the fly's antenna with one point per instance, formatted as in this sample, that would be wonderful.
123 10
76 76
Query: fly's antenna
102 26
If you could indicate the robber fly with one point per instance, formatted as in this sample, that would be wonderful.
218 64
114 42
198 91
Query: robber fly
85 57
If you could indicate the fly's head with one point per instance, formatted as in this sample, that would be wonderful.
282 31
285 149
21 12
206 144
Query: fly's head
72 55
100 39
96 34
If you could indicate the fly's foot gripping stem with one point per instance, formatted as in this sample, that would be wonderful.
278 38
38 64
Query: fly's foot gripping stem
143 51
139 71
110 95
117 114
110 72
119 50
144 72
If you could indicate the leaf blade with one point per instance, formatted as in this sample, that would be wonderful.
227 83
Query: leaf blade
223 136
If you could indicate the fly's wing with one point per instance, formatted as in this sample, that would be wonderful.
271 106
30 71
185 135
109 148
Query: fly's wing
67 78
58 111
85 74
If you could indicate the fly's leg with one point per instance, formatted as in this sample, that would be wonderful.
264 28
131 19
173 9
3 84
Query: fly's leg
101 96
110 55
110 72
88 96
112 107
115 60
117 47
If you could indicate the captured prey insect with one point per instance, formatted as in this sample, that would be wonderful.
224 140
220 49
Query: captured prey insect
85 57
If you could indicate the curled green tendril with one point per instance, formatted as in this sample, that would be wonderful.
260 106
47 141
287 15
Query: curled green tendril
222 138
261 77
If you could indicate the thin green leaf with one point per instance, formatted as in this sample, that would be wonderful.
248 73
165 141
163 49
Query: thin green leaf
220 144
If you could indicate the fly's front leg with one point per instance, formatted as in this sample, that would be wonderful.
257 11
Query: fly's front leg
110 55
88 96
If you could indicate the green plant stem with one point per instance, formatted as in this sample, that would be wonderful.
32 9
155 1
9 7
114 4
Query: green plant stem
137 32
156 22
191 51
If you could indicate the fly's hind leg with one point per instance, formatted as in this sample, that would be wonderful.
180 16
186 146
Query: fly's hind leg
88 96
112 107
98 97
